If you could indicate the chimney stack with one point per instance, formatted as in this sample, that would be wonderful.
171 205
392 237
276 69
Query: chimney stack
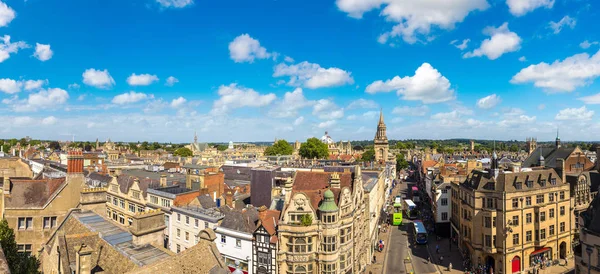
83 259
229 198
163 180
560 164
75 162
6 186
334 180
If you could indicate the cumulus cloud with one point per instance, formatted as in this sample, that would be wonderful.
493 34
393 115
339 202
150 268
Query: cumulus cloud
327 124
522 59
581 113
290 105
171 81
591 100
7 14
461 46
299 121
521 7
501 41
98 78
74 86
561 76
50 120
558 26
43 52
34 84
489 101
411 111
586 44
427 85
44 99
141 79
23 121
234 96
414 18
178 102
327 109
174 3
129 98
10 86
246 49
7 48
517 120
313 76
362 103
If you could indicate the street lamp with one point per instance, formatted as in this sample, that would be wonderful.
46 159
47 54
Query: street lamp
589 251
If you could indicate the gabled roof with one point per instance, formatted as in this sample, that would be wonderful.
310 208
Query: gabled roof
241 220
550 155
25 193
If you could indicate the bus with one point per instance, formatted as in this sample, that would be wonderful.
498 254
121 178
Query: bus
397 214
410 209
420 232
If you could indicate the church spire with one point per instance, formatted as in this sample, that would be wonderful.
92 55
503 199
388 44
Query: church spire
557 142
381 116
195 137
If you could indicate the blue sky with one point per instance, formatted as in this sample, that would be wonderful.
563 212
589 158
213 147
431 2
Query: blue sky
159 70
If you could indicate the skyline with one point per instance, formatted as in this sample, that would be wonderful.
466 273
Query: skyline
161 70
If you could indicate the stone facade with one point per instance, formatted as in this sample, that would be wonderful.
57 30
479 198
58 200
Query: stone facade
381 144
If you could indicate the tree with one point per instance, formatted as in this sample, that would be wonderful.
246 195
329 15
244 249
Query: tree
281 147
183 152
54 145
222 147
401 162
314 148
306 219
513 148
17 262
155 146
145 146
368 155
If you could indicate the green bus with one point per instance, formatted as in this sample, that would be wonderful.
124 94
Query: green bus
397 214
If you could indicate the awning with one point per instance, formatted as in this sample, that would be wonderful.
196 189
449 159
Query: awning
539 251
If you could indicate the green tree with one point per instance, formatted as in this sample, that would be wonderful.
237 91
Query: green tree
306 219
54 145
401 162
314 148
222 147
145 146
18 263
155 146
368 155
513 148
183 152
281 147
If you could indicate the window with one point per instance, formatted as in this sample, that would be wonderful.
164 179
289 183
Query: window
140 209
178 217
108 212
329 244
562 227
178 233
490 203
50 222
25 223
132 207
328 268
187 236
551 197
539 199
553 181
345 235
25 248
238 243
135 194
342 261
187 220
494 222
115 201
444 191
562 195
528 218
488 240
542 216
300 244
444 201
223 239
528 201
543 182
121 219
205 224
263 258
328 218
487 221
562 210
551 230
515 220
108 198
516 239
196 222
528 236
165 202
529 184
543 234
515 203
154 200
122 203
444 216
178 248
518 185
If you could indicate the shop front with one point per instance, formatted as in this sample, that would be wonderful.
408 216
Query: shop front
540 256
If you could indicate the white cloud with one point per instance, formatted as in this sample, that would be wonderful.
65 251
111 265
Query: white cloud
326 109
245 49
586 44
129 98
98 78
369 115
566 75
581 113
489 101
414 18
510 111
313 76
299 121
565 21
171 81
288 59
501 41
7 14
591 100
234 96
521 7
411 111
397 120
178 102
362 103
174 3
50 120
7 48
427 85
81 97
10 86
446 115
326 124
291 103
141 79
43 52
34 84
517 121
461 46
522 59
74 86
23 121
45 99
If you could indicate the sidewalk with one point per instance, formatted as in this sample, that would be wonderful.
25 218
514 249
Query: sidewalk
560 268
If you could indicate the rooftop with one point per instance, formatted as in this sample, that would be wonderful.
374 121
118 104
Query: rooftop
201 213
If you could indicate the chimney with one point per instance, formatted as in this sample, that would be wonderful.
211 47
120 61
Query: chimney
560 165
334 180
229 198
83 260
163 180
6 186
75 162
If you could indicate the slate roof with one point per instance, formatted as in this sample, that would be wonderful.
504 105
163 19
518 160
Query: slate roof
206 201
241 220
480 180
550 155
25 193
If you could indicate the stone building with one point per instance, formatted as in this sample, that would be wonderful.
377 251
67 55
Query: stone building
324 224
381 144
14 167
186 224
587 255
509 220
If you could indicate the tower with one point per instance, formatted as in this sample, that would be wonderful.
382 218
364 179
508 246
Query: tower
195 137
531 145
557 142
381 144
472 146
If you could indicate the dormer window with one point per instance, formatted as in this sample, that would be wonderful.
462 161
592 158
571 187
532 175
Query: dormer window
529 184
518 185
543 182
553 181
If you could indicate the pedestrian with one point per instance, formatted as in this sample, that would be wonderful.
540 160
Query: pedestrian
441 259
450 267
437 249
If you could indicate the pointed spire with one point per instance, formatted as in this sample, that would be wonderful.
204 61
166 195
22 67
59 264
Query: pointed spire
381 116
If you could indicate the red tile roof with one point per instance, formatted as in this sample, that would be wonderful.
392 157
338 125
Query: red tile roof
314 184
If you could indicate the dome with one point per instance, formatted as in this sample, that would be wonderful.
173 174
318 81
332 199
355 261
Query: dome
328 194
328 204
